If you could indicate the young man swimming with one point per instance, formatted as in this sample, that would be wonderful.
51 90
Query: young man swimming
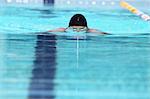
78 23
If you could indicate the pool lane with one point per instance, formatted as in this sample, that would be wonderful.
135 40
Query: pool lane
16 55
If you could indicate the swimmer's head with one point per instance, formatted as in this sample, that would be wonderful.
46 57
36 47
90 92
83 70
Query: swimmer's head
78 20
78 23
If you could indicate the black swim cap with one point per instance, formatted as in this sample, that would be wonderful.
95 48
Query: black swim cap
78 20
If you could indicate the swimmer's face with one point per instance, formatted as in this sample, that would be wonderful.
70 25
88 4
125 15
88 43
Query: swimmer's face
79 28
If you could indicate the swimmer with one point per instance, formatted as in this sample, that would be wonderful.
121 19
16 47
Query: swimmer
78 23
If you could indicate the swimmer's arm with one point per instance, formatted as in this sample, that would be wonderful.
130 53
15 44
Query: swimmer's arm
97 31
58 30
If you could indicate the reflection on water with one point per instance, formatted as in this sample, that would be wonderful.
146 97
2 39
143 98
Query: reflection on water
49 66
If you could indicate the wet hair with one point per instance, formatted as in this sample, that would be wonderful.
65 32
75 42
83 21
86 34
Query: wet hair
78 20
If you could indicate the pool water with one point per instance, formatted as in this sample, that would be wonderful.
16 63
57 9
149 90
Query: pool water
39 65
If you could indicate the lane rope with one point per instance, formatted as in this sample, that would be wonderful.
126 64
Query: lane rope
135 11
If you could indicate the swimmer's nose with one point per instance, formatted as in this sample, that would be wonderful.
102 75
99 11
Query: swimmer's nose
78 30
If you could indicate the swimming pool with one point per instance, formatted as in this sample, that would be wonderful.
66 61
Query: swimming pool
38 65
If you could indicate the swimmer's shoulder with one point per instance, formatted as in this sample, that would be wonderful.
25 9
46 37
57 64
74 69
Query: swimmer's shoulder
58 30
96 31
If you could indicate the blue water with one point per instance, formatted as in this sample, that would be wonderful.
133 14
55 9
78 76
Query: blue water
39 65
